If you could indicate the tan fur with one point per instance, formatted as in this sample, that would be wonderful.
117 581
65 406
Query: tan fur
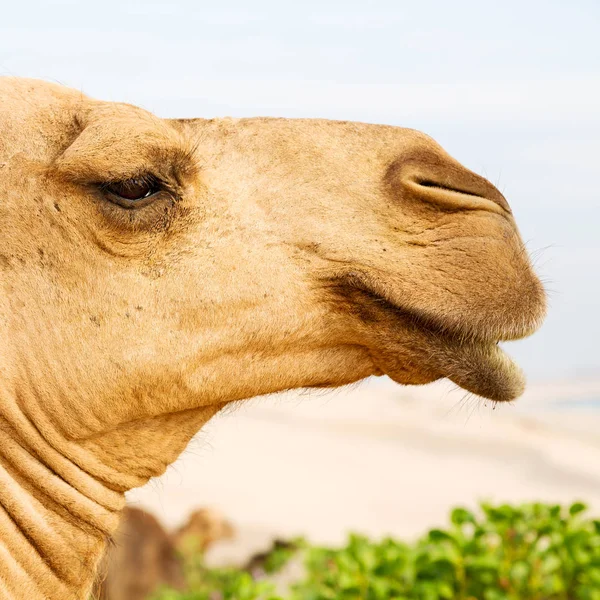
287 253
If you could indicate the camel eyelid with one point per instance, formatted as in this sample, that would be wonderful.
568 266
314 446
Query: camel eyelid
95 154
157 187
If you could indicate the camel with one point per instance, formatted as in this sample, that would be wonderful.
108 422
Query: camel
153 271
144 556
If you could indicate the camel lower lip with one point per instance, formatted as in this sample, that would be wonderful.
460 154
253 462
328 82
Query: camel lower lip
481 368
485 370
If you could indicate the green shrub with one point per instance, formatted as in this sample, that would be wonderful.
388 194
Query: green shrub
529 552
222 584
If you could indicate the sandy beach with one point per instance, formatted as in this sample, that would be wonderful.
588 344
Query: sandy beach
379 459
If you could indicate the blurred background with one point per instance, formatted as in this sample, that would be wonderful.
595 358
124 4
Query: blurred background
512 90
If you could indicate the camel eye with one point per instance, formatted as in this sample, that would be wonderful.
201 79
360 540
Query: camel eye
132 193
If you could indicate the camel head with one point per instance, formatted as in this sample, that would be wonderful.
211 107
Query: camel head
153 270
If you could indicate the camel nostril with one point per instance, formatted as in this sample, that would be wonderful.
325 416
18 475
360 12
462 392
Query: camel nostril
440 186
474 187
430 175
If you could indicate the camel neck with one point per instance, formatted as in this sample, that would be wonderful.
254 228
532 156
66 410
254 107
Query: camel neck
55 518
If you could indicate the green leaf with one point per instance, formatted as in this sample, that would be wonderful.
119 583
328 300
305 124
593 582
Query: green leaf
460 516
439 535
576 508
529 552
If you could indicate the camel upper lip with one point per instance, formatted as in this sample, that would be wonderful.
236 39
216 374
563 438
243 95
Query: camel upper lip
426 322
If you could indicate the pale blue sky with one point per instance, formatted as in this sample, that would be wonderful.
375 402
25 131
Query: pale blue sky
511 88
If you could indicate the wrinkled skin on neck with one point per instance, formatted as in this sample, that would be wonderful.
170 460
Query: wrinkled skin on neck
272 254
